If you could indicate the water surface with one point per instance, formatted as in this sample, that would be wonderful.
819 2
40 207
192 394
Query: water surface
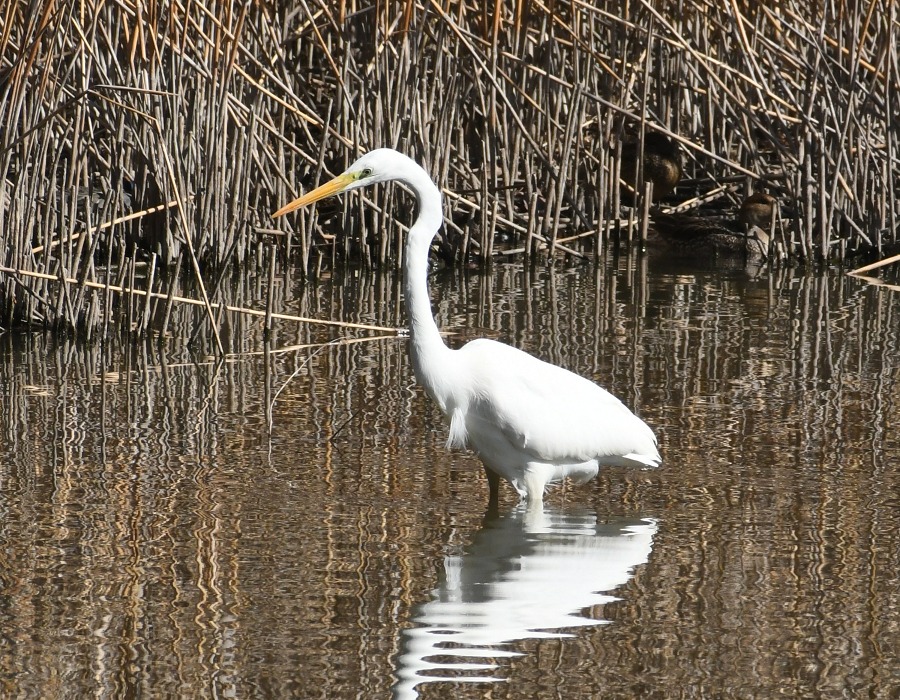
288 524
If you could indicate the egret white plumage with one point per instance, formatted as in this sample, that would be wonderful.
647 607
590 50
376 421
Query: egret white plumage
531 422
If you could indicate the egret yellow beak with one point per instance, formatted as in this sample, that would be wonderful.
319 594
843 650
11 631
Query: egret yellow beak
339 184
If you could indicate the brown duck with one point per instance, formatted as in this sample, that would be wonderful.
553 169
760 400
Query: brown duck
758 210
662 166
696 234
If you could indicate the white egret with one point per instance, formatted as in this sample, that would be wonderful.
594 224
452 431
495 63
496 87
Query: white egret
530 422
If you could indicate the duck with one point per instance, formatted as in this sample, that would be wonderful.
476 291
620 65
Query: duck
747 235
662 166
757 210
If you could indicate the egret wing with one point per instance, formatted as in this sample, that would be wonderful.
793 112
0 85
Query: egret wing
552 413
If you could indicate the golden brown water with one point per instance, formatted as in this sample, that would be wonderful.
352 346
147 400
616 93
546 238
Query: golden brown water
159 540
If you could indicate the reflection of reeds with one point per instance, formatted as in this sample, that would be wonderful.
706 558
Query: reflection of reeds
173 521
518 111
268 314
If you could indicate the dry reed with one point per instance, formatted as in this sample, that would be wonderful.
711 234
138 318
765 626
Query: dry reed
204 117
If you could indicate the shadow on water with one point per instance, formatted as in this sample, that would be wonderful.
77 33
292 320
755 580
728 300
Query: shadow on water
288 523
529 574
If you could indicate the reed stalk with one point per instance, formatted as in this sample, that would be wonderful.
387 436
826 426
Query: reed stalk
112 112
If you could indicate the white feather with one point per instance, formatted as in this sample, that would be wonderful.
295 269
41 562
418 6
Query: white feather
531 422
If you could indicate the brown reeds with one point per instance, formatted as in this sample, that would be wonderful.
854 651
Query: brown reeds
167 132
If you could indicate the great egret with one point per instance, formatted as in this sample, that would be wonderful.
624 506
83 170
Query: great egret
530 422
699 234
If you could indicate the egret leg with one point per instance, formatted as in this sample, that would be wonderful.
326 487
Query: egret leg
536 478
493 487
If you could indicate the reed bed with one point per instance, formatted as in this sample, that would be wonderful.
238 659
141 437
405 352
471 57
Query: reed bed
145 144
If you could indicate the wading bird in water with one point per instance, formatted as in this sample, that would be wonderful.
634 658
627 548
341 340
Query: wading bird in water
530 422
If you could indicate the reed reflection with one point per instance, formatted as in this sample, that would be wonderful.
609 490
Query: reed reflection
529 574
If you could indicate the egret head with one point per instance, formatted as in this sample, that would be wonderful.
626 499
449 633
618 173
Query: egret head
375 166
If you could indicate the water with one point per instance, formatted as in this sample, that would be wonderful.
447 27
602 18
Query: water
160 539
525 576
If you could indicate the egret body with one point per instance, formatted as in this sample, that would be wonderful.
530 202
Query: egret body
531 422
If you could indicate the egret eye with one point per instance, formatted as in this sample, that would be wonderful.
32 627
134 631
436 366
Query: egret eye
365 172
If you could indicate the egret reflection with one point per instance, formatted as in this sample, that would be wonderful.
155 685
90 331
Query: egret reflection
526 575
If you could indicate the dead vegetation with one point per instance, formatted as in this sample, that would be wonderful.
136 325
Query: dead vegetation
144 145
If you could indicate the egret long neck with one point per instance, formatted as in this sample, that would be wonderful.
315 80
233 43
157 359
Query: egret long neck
429 354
